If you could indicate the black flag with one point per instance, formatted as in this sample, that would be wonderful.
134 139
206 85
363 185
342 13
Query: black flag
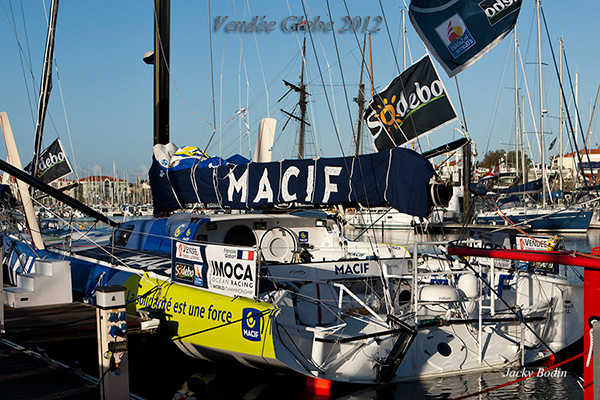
413 104
53 163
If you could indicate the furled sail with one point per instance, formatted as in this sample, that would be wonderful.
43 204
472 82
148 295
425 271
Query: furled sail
398 177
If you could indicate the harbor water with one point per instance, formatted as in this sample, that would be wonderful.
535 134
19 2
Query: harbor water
158 370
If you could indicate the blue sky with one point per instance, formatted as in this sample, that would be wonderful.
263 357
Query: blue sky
107 89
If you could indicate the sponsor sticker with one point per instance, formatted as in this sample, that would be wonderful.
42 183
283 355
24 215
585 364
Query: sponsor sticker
303 237
198 278
184 272
455 35
251 324
188 252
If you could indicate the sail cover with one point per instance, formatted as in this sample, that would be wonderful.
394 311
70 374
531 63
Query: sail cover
398 177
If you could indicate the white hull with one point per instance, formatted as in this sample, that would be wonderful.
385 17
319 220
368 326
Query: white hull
381 219
331 317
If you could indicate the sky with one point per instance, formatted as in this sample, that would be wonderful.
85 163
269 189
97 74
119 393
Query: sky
102 101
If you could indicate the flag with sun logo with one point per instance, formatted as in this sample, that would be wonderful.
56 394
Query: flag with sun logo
413 104
460 32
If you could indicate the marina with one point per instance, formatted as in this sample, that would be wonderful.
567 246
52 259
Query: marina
240 269
76 327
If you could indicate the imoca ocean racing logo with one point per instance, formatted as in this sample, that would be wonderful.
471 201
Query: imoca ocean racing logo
251 324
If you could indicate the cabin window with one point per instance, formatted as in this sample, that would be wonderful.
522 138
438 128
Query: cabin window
122 235
240 235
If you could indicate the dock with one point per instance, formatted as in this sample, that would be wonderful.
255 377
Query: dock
36 337
25 374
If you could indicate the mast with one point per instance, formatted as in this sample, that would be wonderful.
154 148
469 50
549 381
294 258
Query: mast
403 41
542 145
371 61
161 71
516 109
576 109
560 118
301 89
521 107
360 100
45 87
302 104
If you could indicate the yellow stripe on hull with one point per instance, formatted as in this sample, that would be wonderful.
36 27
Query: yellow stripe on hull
199 317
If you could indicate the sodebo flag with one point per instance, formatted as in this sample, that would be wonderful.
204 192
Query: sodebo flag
460 32
413 104
53 163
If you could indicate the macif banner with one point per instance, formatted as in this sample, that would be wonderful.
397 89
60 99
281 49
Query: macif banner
397 177
460 32
53 163
413 104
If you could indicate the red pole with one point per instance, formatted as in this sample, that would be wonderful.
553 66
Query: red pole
553 257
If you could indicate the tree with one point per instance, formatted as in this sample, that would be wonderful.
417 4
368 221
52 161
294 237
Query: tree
492 157
510 159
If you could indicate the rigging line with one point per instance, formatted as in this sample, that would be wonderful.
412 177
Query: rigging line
257 98
462 109
487 145
33 84
221 94
533 119
387 28
350 51
62 99
573 142
314 129
348 107
589 130
273 81
239 78
519 315
567 111
369 72
328 102
212 80
12 24
335 128
260 60
25 28
341 71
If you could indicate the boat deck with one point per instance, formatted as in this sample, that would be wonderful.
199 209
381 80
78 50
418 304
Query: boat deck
137 259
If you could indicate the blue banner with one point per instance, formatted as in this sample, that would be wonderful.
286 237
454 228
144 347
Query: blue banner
459 32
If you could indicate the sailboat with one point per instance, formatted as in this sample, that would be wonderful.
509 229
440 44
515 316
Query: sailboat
287 290
528 215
